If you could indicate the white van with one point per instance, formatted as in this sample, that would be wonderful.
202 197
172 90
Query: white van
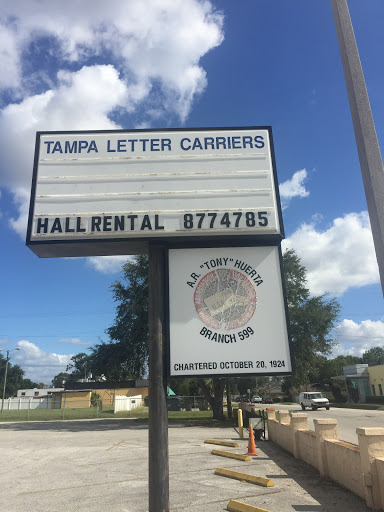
313 400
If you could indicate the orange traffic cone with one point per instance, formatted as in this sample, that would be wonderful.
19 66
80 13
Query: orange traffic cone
251 442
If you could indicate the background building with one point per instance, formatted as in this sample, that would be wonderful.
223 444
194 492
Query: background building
37 392
376 380
356 378
84 394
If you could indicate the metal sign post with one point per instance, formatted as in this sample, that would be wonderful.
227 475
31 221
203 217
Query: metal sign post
366 139
158 413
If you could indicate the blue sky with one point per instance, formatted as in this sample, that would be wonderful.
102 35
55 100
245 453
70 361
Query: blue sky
185 63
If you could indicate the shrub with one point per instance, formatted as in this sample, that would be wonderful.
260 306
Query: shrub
375 400
186 402
95 398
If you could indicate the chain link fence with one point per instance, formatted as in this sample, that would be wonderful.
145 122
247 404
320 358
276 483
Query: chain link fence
117 407
71 409
187 403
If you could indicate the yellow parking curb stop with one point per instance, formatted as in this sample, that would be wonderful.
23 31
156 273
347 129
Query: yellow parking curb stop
222 443
239 506
230 455
258 480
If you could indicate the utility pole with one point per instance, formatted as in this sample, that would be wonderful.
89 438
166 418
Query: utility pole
5 376
366 140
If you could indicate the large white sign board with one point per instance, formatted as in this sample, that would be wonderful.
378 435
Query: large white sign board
227 312
93 189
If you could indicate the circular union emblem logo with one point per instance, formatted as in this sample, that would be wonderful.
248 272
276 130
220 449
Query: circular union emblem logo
225 298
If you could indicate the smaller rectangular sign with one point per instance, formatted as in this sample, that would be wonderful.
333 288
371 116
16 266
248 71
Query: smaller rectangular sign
228 312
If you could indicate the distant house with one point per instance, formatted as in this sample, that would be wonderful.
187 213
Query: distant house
79 394
356 378
71 399
37 392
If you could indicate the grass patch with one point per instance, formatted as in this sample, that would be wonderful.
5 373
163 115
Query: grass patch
92 413
87 413
189 415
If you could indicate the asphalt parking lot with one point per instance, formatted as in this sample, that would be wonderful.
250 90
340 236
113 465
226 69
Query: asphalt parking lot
102 465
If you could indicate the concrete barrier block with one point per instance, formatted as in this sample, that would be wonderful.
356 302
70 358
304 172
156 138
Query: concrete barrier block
325 429
371 444
284 417
299 421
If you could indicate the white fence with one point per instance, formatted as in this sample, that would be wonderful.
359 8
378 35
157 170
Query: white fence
15 404
127 403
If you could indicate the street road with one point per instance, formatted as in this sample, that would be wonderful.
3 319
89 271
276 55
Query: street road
348 419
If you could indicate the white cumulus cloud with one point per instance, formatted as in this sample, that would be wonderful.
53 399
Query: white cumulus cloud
293 188
38 365
78 102
9 58
355 339
154 42
107 264
80 66
338 258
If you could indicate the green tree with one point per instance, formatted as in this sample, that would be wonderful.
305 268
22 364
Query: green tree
130 328
245 383
80 365
255 384
57 381
213 390
337 364
231 388
185 387
15 377
374 356
312 320
112 360
125 355
327 368
28 384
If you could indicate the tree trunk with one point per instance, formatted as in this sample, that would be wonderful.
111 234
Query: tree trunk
215 399
229 399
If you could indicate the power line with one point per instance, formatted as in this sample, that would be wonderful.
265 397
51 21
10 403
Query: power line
51 335
57 313
357 336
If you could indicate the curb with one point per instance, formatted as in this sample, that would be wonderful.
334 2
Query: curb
239 506
222 443
257 480
230 455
